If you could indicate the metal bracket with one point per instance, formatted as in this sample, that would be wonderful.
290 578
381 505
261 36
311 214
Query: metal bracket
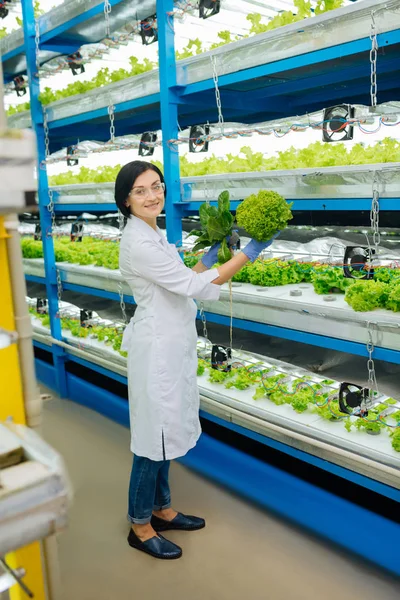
14 576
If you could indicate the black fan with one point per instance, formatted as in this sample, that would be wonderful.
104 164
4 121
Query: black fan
357 260
196 144
3 10
76 231
38 232
72 162
209 8
85 317
41 306
147 138
351 396
74 63
20 85
220 356
148 30
336 128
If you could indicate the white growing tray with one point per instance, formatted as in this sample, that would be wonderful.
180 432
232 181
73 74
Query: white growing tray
316 33
340 183
362 452
274 306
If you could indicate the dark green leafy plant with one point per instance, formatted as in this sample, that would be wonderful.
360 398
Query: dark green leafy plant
262 215
216 223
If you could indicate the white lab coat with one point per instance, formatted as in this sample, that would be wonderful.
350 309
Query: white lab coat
161 341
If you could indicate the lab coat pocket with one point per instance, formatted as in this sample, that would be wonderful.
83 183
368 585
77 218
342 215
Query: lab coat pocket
139 315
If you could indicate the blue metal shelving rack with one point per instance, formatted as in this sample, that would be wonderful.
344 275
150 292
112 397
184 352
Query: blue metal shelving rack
339 74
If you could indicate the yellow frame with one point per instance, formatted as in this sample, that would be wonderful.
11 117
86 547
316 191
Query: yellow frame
12 405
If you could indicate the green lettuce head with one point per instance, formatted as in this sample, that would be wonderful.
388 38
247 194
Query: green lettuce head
262 215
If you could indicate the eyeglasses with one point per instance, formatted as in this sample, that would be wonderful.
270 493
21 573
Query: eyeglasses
157 190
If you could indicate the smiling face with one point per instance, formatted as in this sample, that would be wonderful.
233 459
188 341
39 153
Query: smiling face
146 199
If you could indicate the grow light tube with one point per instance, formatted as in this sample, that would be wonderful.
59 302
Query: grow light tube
304 255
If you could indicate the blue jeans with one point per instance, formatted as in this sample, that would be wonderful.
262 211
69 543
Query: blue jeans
148 489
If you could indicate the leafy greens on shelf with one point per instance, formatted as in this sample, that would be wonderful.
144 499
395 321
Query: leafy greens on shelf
216 223
316 154
193 48
301 394
383 291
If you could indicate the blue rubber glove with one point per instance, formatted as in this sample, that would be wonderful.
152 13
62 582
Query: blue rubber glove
254 248
210 258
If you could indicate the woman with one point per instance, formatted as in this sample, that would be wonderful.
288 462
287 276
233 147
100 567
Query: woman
161 342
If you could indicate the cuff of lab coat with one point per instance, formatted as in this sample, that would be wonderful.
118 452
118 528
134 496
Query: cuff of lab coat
211 291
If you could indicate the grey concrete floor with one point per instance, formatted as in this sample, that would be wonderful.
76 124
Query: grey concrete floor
243 552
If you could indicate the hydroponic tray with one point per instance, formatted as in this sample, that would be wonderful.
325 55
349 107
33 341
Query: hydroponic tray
357 450
345 182
85 31
324 31
323 315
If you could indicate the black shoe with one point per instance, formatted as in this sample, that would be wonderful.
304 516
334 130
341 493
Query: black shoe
184 522
156 546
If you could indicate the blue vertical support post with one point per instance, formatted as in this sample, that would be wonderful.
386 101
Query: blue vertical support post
169 117
43 192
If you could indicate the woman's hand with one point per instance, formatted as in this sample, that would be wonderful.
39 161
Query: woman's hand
230 268
254 248
211 257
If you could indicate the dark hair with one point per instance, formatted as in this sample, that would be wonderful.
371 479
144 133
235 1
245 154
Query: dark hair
126 179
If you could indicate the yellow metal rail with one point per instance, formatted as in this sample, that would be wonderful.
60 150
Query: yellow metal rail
12 405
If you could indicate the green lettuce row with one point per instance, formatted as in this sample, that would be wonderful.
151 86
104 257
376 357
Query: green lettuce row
194 47
109 335
89 251
315 155
306 396
381 292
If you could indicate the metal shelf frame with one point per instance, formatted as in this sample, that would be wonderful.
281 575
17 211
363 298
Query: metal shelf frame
340 74
257 83
62 31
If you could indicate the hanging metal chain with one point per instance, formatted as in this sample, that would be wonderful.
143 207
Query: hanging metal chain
111 109
107 11
217 94
122 301
374 214
373 57
59 290
46 133
50 208
37 40
203 320
372 383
